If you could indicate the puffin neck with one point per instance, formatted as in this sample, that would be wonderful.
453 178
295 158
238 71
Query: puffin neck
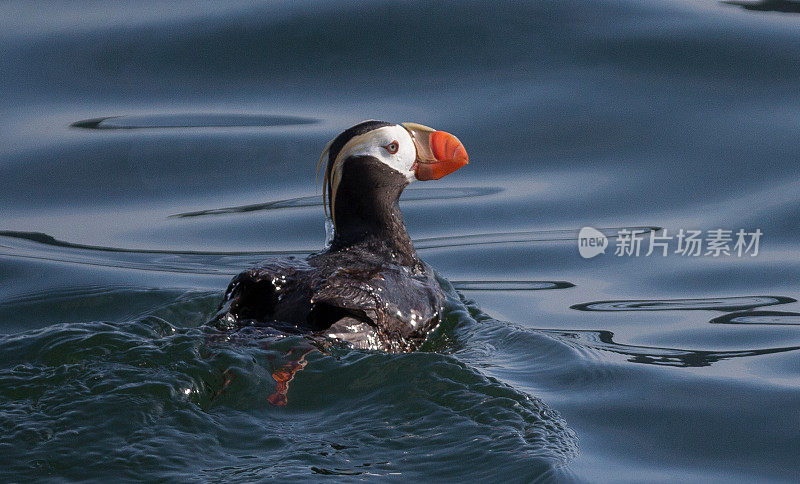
367 212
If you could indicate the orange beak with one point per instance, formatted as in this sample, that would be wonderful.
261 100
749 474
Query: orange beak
438 153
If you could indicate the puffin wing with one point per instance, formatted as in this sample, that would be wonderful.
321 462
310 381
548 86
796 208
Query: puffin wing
275 291
343 296
385 309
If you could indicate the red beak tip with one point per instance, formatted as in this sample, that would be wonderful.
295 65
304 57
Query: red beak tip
449 153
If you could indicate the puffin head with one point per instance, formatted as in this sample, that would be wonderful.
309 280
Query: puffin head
373 161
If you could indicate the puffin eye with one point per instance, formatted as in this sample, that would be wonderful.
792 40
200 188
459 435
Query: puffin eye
392 147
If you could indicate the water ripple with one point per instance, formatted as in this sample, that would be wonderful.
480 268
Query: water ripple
736 303
159 386
776 318
36 245
654 355
191 120
410 194
510 285
517 237
783 6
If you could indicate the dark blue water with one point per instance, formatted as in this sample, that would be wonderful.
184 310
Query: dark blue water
151 151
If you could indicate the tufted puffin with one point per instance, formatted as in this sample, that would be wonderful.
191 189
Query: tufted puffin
368 287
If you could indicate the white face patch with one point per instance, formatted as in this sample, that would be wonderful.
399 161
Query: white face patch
379 144
375 143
